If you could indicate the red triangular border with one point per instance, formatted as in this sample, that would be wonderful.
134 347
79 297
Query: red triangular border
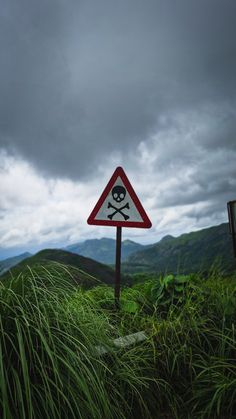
146 223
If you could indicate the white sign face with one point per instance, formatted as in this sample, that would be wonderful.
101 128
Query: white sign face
118 205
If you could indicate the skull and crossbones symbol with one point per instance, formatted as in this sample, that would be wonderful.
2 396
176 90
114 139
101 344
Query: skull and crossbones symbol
118 194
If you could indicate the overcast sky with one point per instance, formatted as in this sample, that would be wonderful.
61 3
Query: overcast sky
86 86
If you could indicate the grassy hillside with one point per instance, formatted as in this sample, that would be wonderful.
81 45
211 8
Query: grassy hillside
192 252
58 357
84 270
103 250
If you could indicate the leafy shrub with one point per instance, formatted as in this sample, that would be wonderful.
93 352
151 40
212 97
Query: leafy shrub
170 289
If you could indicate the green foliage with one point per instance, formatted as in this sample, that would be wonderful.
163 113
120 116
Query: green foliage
49 365
102 297
195 336
193 252
50 330
169 289
83 268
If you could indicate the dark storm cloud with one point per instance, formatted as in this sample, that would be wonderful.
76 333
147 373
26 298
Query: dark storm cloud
80 79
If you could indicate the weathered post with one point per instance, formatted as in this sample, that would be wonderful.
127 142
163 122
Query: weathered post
231 205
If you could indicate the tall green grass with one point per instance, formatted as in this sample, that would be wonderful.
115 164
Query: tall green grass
192 330
49 365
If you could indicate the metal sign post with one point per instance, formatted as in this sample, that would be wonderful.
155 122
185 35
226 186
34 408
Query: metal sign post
118 266
231 205
119 206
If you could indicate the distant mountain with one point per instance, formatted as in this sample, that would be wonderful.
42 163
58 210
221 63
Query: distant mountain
166 238
192 252
103 250
8 263
89 270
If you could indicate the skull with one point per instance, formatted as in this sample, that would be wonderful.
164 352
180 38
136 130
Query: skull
118 193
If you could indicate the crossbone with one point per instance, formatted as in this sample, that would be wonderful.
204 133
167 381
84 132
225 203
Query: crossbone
126 217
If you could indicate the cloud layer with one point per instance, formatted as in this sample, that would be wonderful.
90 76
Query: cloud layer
82 79
87 86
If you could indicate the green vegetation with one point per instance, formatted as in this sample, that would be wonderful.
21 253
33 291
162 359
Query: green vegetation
51 328
192 252
85 267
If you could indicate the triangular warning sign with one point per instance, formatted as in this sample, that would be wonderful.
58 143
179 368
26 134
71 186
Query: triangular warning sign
119 205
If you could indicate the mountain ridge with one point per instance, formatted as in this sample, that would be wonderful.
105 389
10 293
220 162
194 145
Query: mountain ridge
88 267
190 252
103 250
8 263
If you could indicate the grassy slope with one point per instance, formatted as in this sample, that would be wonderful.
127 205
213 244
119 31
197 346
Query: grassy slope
87 270
49 332
192 252
49 365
